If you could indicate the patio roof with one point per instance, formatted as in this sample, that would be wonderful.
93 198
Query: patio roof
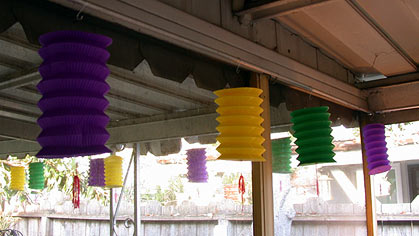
162 77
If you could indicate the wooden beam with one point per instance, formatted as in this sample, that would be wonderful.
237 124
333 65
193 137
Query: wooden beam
17 114
371 216
20 78
20 148
13 129
14 63
263 216
396 117
394 97
167 23
278 8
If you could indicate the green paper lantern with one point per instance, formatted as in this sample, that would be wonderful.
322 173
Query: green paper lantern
281 155
313 133
36 175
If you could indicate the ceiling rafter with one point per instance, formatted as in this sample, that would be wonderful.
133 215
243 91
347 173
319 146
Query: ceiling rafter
14 63
20 78
277 8
32 76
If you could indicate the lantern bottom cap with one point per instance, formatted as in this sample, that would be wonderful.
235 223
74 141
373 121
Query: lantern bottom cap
379 170
302 163
36 187
63 152
282 171
241 158
199 181
113 186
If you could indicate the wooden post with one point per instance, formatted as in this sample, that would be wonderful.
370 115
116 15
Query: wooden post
369 193
137 193
263 216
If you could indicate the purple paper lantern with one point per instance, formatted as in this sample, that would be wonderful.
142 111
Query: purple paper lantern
73 87
375 146
197 169
97 172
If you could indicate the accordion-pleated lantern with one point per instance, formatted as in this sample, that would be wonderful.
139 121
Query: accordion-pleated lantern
113 171
36 175
281 155
97 172
376 148
73 86
240 130
17 178
197 169
313 133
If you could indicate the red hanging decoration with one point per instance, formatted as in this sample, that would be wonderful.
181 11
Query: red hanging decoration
76 192
242 189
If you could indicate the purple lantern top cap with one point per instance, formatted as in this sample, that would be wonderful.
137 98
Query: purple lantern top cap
373 126
75 36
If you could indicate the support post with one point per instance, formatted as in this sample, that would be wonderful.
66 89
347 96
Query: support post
111 212
137 195
263 216
368 184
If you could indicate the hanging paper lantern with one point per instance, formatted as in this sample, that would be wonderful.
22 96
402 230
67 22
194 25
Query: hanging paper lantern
375 146
313 133
113 171
197 169
36 175
97 172
17 180
281 155
73 87
240 124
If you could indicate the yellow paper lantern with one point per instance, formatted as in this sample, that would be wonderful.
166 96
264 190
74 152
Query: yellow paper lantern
113 171
17 174
240 124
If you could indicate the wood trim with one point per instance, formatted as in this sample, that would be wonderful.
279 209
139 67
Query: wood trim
368 184
263 216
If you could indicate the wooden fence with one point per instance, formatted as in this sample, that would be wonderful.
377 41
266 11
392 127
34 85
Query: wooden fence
316 217
186 219
225 219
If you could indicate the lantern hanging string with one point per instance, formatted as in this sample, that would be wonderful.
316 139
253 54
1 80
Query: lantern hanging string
280 185
242 189
317 183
